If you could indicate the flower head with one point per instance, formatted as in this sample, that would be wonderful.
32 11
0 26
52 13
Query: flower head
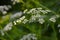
52 19
29 37
8 27
41 20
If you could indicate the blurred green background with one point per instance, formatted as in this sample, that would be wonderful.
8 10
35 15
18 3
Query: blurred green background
20 29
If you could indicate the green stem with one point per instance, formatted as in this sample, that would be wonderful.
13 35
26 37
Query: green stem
8 36
54 31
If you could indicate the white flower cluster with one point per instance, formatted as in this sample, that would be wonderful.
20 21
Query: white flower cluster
8 27
38 18
25 21
41 20
29 37
53 18
16 15
15 1
20 20
36 10
37 15
4 8
40 14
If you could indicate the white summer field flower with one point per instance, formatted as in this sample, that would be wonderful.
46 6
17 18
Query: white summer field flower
22 18
32 19
14 23
15 1
4 12
25 21
41 20
19 20
43 11
48 10
33 11
17 14
7 7
8 27
29 37
38 15
53 19
25 10
4 8
37 10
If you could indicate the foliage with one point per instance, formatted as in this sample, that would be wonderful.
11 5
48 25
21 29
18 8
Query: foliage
30 20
